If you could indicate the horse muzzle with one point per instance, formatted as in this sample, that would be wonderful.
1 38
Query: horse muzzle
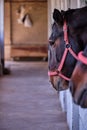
58 83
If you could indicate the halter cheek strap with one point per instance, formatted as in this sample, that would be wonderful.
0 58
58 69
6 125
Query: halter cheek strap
68 48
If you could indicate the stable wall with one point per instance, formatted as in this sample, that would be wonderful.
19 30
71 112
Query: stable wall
21 40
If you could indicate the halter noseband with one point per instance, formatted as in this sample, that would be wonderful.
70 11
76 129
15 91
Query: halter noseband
80 57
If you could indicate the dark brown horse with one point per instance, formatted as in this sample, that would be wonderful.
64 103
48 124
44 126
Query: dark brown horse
56 49
55 53
78 83
77 33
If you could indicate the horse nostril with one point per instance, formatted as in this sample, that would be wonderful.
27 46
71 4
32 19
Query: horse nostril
58 88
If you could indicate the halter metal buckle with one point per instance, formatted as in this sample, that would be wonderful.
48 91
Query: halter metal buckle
68 46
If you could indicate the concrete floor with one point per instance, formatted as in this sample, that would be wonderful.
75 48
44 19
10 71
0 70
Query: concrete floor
27 100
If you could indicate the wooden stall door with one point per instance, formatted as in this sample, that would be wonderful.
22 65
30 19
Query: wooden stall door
29 41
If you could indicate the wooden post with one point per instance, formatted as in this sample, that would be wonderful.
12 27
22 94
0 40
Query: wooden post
49 18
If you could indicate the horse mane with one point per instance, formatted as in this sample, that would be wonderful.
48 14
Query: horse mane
76 17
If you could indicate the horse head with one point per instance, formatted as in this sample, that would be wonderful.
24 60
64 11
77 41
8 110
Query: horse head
56 50
78 83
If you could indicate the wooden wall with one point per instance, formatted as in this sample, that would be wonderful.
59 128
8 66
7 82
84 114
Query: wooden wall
7 30
23 41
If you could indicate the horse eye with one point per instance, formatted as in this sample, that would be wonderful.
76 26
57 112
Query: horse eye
52 43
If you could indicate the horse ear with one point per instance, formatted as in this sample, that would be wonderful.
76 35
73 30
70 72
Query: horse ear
63 13
57 16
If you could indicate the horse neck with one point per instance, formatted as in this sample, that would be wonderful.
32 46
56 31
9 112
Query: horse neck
85 51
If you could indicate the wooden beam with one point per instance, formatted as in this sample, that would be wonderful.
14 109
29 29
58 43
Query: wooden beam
20 1
32 50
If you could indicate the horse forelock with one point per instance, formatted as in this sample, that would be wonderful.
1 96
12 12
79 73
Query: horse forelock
76 17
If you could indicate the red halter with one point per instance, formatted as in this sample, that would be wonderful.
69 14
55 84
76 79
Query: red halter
68 48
